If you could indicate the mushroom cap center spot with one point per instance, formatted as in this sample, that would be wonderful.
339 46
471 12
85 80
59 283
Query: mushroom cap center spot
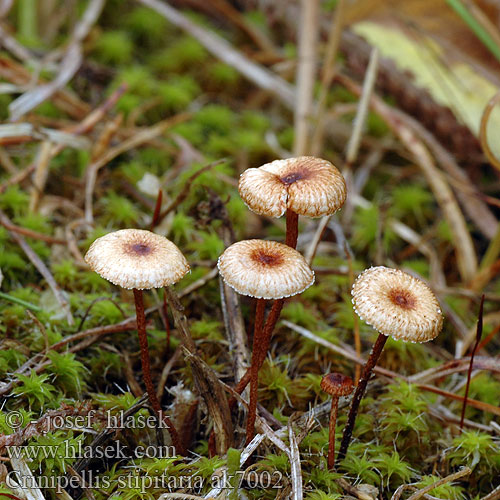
403 299
292 177
140 249
266 258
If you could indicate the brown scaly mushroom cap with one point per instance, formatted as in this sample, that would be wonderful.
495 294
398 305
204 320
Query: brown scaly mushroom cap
337 384
265 269
397 304
134 258
306 185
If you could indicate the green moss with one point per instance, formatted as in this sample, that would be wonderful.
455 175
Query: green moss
35 389
223 74
177 93
207 330
184 53
214 118
138 79
119 211
14 200
69 373
5 101
412 203
147 26
114 47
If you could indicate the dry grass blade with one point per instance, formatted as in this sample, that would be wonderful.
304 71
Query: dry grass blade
27 479
464 248
68 67
295 468
27 131
210 389
363 106
225 52
483 131
207 382
63 98
5 6
40 175
409 235
352 490
306 69
493 495
348 353
468 194
457 475
327 76
41 267
139 138
233 318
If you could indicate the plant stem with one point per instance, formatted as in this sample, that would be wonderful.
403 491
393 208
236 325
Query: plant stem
21 302
254 368
358 394
292 228
331 433
479 333
146 371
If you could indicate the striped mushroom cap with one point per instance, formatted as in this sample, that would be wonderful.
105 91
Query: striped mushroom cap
306 185
397 304
337 384
265 269
134 258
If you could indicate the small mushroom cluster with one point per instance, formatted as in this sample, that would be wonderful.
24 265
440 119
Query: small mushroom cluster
393 302
269 270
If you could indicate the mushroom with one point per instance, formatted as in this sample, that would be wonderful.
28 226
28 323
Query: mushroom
395 304
140 260
305 185
335 384
264 270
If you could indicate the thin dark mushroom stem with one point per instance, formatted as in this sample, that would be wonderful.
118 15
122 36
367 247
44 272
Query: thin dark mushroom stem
358 394
269 326
292 228
146 370
331 432
254 368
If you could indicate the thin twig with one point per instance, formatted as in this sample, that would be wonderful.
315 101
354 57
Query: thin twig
32 234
